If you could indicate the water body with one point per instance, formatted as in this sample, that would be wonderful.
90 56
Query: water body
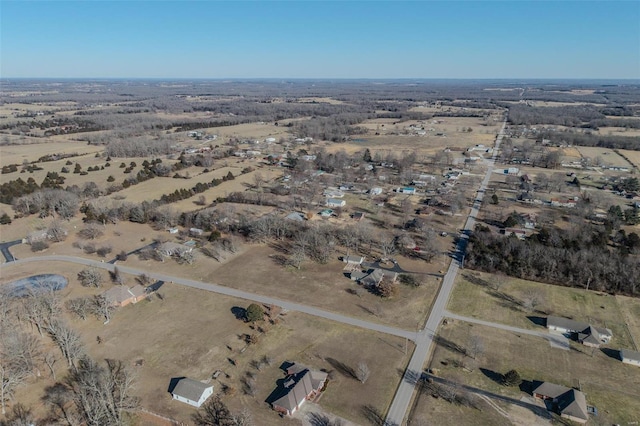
23 286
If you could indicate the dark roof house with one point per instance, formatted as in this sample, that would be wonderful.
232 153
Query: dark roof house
586 334
569 403
300 385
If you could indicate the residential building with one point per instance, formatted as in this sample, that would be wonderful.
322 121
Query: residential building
567 402
300 385
584 332
192 392
121 295
335 202
630 357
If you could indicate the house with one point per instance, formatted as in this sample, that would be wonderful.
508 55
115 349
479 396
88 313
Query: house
170 249
196 232
333 193
358 216
569 403
300 385
511 171
407 190
192 392
585 333
326 213
375 191
296 217
520 233
121 295
308 158
374 277
36 236
353 260
335 202
630 357
173 230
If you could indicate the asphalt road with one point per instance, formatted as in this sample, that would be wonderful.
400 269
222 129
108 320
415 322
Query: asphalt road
290 306
4 249
400 404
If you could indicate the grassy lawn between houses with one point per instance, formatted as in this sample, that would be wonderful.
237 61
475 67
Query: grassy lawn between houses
193 333
610 385
505 305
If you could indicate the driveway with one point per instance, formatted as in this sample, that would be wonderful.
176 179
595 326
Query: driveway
4 248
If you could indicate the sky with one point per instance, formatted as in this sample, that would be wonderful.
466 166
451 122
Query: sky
320 39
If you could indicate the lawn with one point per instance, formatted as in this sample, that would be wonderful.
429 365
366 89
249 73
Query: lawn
193 333
609 384
505 305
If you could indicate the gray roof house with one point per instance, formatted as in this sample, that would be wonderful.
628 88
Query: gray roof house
587 334
192 392
300 385
569 403
630 357
356 260
121 295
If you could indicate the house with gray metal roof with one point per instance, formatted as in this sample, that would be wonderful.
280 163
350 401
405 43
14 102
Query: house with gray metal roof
300 385
585 333
192 392
630 357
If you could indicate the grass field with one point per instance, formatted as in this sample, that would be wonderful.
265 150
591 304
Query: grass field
608 156
618 131
16 154
608 384
171 341
504 305
633 156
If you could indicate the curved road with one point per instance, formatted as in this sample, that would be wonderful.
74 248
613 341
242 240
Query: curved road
401 401
227 291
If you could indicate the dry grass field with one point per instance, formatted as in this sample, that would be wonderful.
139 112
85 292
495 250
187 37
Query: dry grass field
609 384
16 154
160 339
608 156
619 131
324 286
633 156
504 305
452 127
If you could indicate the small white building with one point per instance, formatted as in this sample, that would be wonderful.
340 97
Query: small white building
375 191
335 202
192 392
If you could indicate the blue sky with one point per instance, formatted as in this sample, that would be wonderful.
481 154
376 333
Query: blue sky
320 39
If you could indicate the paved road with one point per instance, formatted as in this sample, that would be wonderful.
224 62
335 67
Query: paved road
4 248
400 404
553 338
291 306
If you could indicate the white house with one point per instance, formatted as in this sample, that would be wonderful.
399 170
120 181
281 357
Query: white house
335 202
407 190
375 191
192 392
630 357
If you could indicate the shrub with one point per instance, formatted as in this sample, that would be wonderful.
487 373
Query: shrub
39 246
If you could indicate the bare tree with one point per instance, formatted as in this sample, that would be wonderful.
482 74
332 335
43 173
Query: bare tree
297 256
91 231
50 359
67 340
116 276
90 277
103 307
476 346
100 395
80 306
41 306
531 300
57 231
363 372
387 246
17 361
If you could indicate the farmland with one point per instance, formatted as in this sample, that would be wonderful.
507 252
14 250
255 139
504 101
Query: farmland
350 200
